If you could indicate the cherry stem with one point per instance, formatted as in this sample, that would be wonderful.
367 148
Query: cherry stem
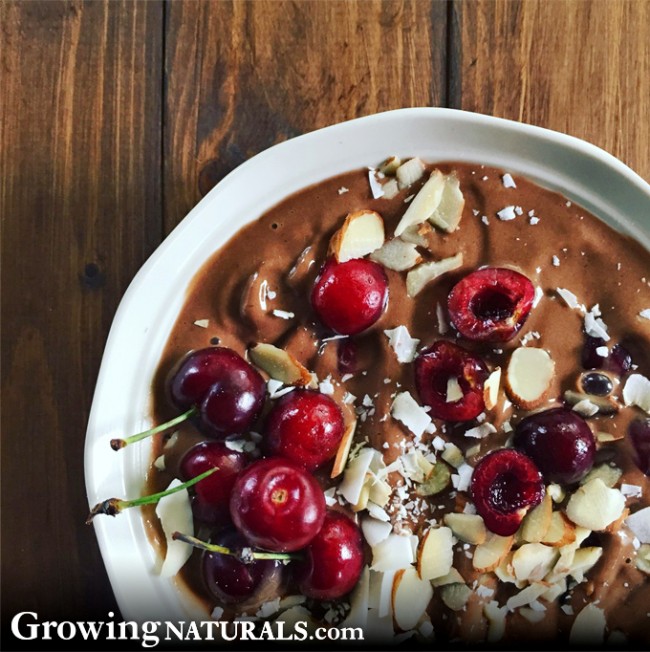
116 444
246 555
113 506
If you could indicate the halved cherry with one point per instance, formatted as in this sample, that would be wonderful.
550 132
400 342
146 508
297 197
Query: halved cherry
491 304
505 485
350 297
437 367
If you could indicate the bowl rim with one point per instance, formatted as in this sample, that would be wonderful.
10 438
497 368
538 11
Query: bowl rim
138 561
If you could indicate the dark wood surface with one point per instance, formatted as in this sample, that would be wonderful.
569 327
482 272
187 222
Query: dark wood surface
116 117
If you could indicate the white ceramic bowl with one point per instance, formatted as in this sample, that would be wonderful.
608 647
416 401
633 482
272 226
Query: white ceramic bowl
582 172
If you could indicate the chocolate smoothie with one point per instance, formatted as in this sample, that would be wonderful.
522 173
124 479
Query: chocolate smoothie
257 287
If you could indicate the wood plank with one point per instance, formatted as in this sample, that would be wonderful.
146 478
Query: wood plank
80 205
243 76
581 67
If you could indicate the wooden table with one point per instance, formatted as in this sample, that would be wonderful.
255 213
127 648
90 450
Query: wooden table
116 117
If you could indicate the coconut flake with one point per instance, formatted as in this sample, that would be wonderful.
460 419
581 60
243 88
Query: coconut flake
569 298
393 553
175 514
375 187
631 490
639 523
595 326
202 323
637 392
507 213
645 314
402 343
508 181
284 314
454 391
463 478
406 409
479 432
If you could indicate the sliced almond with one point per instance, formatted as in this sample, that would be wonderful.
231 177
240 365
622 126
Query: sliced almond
436 481
409 172
435 553
390 165
529 375
391 189
424 203
538 520
526 595
455 596
604 404
410 598
588 626
642 560
453 455
279 364
356 474
364 495
554 591
452 577
450 209
395 552
469 528
636 391
532 561
397 255
375 531
561 531
610 475
491 389
506 573
361 234
175 514
584 559
417 234
595 505
419 277
343 451
358 614
496 617
490 554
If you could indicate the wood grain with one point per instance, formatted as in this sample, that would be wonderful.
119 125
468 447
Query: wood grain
80 206
242 76
580 67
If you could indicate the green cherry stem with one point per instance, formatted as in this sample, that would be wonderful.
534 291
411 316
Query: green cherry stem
246 555
116 444
113 506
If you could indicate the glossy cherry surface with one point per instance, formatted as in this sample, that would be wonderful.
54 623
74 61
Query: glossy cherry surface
559 441
333 560
350 297
491 304
277 505
435 366
304 426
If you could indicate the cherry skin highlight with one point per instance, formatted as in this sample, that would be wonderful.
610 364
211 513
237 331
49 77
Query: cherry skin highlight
559 441
505 485
211 496
304 426
333 560
350 297
491 304
443 361
277 505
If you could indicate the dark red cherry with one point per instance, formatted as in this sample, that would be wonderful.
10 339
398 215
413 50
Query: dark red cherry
350 297
347 356
618 361
505 485
211 499
277 505
304 426
639 432
435 366
559 441
491 304
232 581
333 560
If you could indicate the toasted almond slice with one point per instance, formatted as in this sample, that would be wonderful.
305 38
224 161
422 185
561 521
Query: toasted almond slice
279 364
506 573
491 388
410 598
397 255
391 189
538 520
423 274
390 165
604 404
561 531
532 561
467 527
452 577
496 616
417 234
409 172
643 558
456 595
450 209
361 234
344 450
424 203
554 591
490 554
529 375
435 553
610 475
589 626
595 505
606 437
527 595
584 559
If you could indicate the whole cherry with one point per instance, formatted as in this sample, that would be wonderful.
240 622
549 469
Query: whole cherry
560 442
505 485
491 304
350 297
211 499
444 363
333 560
304 426
277 505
